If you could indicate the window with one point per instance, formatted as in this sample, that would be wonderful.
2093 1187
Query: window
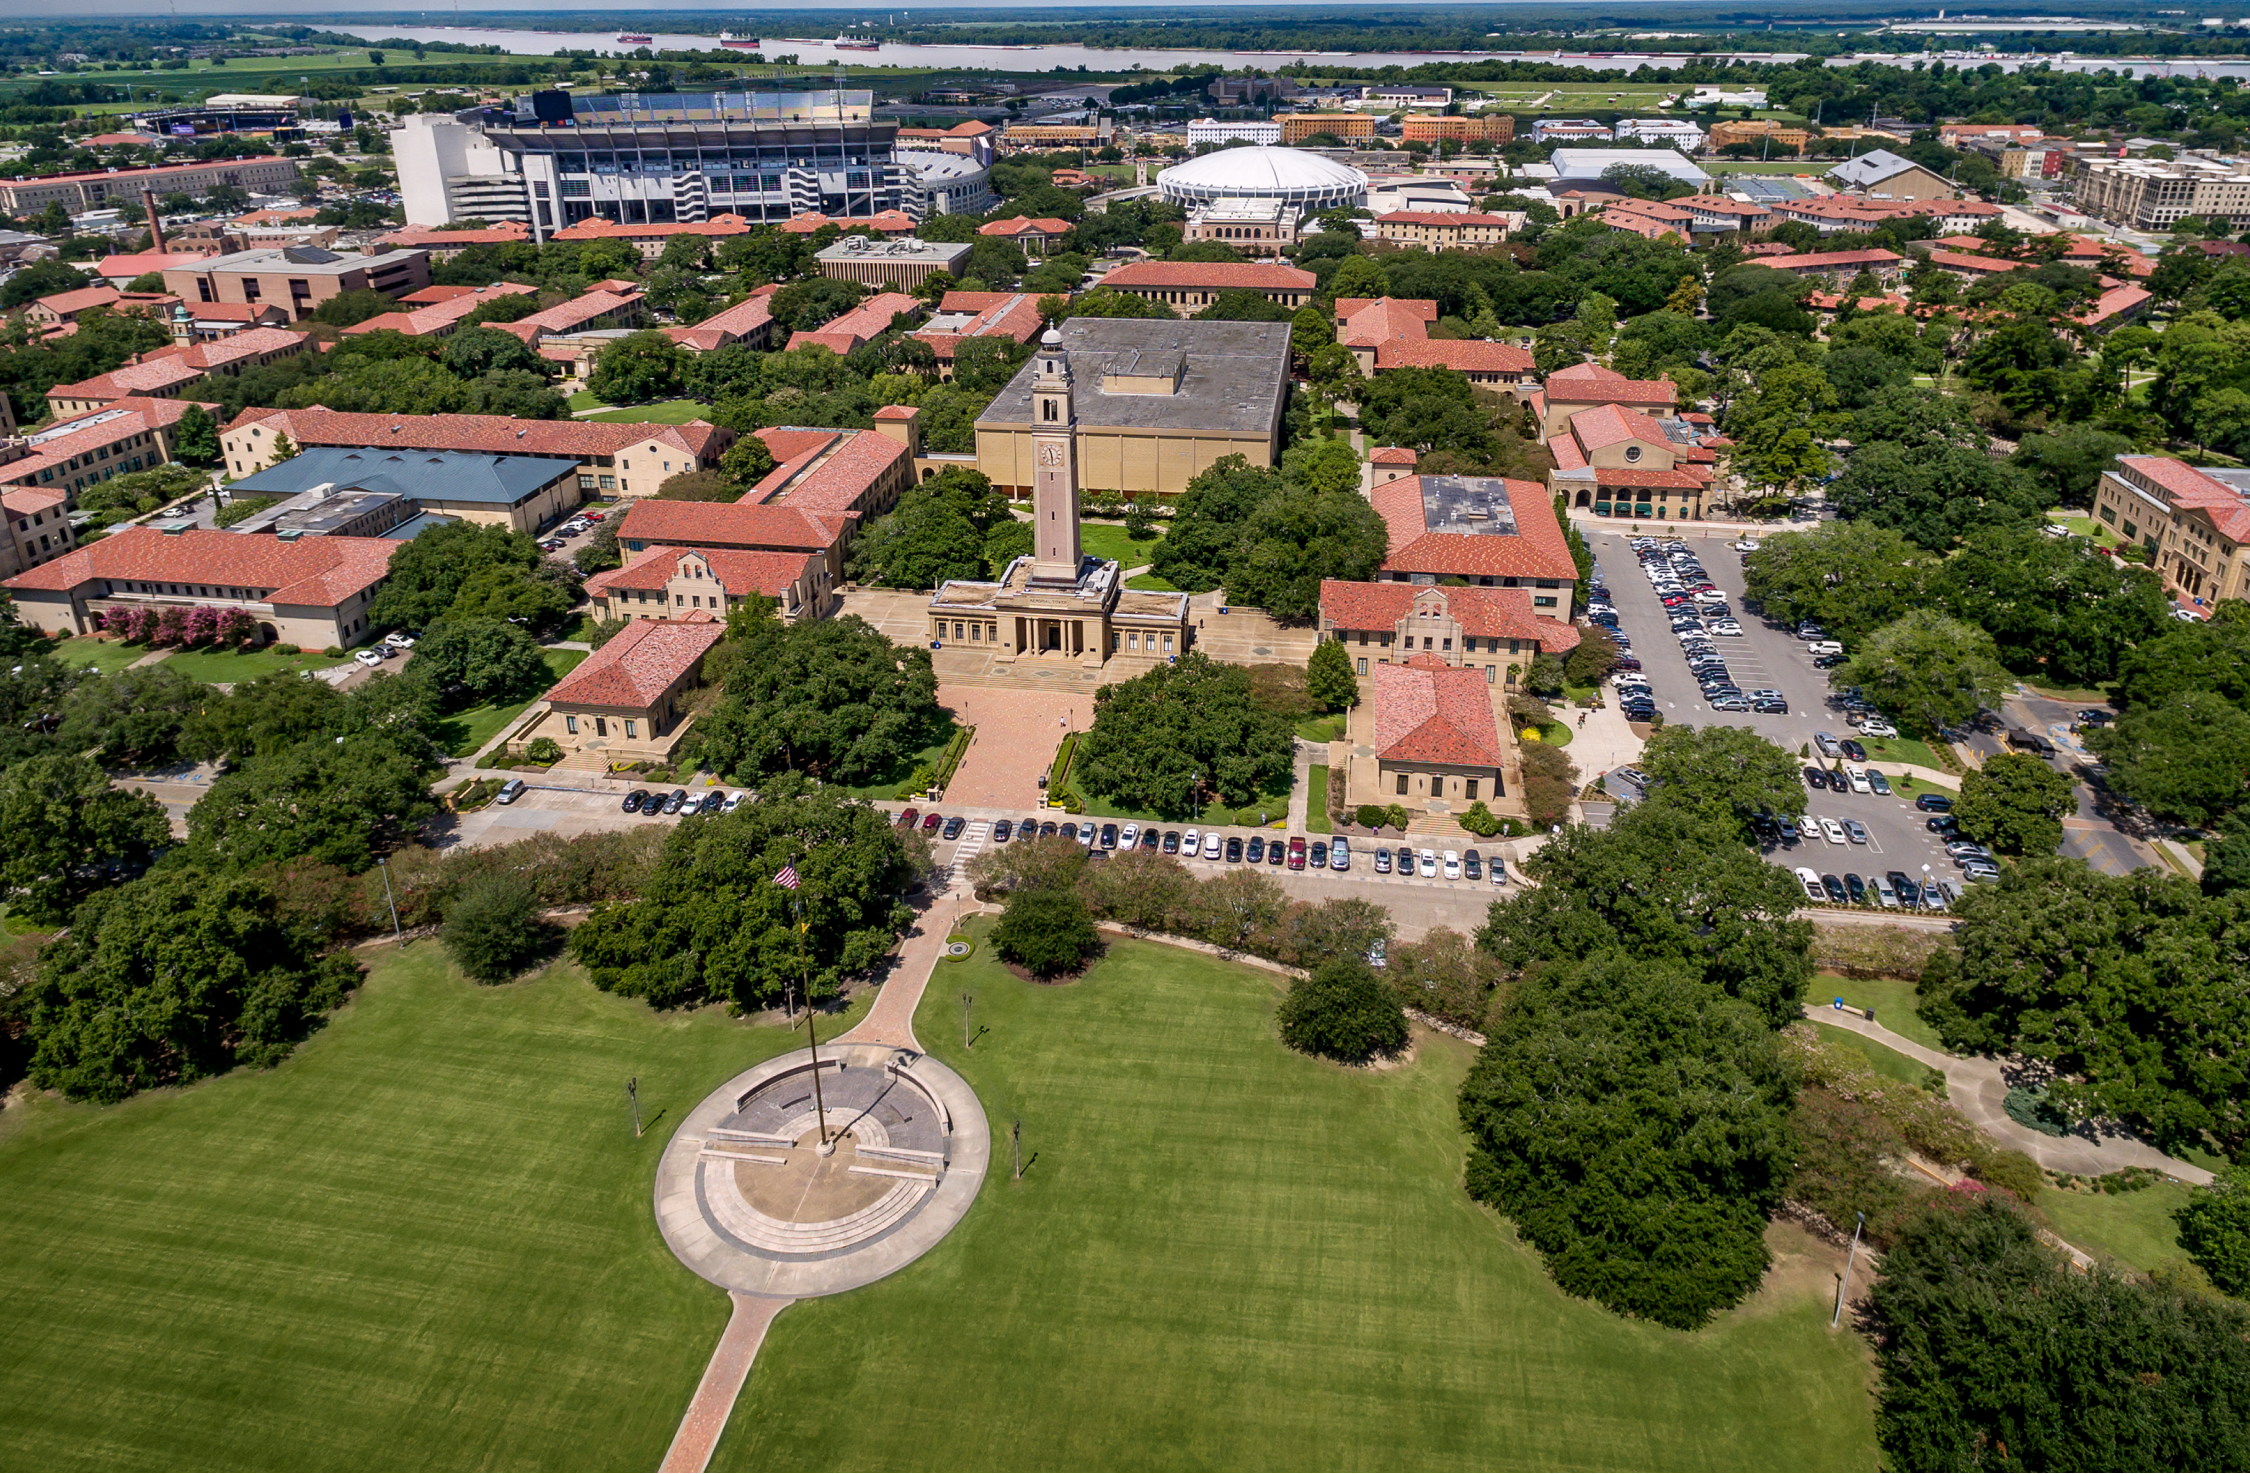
1491 674
609 483
632 728
570 725
1632 453
1470 791
1446 645
2109 515
1363 665
1402 785
601 726
1167 644
1546 603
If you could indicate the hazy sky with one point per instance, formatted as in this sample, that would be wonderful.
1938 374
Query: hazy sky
296 10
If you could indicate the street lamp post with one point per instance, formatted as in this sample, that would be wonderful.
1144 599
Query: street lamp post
384 862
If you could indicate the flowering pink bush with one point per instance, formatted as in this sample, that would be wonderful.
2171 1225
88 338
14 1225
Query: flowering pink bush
200 627
171 627
237 627
143 627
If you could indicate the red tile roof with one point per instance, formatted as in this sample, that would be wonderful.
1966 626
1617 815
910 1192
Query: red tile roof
1025 225
165 368
730 525
595 228
1441 217
1832 260
2227 508
1217 276
869 320
827 472
414 236
883 222
1363 322
1610 424
1395 455
1012 315
1966 261
1504 614
638 664
493 434
2113 303
1434 713
738 571
317 571
113 422
437 317
569 316
1590 383
1537 549
1463 355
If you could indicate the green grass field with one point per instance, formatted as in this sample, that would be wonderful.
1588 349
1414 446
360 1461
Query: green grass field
1152 583
465 731
225 667
103 655
1325 728
2134 1229
423 1242
1893 1001
1881 750
670 412
1880 1059
1109 540
1316 800
1225 1255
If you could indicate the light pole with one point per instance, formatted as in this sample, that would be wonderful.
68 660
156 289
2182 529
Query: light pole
1845 1286
384 862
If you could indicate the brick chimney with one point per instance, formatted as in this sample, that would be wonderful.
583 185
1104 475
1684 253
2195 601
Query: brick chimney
155 220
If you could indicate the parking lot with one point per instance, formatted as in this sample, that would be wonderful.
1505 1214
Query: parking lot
1764 656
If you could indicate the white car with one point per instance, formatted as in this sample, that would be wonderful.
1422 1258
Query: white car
1747 545
733 801
402 640
1858 778
1832 831
1824 647
1877 727
1452 865
1211 845
1127 836
1810 880
367 657
1191 844
1428 867
1724 627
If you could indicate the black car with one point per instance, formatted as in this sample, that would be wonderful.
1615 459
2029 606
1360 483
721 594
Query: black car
1933 803
1942 824
1276 852
1828 662
2094 716
1628 662
1070 830
1637 712
1909 892
633 800
1770 706
712 801
1234 849
1171 841
953 827
1150 839
676 802
1109 837
1816 779
1472 865
1048 830
1835 889
1853 750
1002 830
1256 853
1857 889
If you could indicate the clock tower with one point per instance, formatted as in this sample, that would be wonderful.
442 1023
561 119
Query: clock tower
1054 483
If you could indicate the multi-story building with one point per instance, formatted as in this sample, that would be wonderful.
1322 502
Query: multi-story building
1013 316
903 262
1837 268
680 583
1389 623
1248 130
1569 130
1033 235
443 245
680 157
1399 94
79 193
1883 175
310 591
1764 132
1487 531
1679 133
163 373
438 317
848 332
1614 461
614 460
1488 127
1040 137
90 445
330 491
296 278
1253 227
1297 127
2156 194
1191 285
1442 230
2194 524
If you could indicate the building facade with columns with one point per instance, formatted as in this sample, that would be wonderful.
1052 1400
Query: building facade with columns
1058 603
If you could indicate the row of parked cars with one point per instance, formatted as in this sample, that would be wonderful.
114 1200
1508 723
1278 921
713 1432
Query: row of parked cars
1893 891
1700 617
680 801
390 647
581 522
1297 852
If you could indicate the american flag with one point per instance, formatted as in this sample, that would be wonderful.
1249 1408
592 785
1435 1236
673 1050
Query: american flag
787 877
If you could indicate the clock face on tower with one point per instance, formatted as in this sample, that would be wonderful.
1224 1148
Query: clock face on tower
1050 455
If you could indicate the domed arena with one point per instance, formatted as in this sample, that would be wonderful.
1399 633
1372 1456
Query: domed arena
1289 175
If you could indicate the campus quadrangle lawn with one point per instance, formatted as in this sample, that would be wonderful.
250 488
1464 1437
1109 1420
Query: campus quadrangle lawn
426 1241
423 1242
1224 1255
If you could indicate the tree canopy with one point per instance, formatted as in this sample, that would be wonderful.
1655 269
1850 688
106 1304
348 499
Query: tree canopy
1182 730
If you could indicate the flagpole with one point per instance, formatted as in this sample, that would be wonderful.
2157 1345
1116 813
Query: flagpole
812 1032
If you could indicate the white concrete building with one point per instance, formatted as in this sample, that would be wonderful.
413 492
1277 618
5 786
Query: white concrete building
1249 130
1680 133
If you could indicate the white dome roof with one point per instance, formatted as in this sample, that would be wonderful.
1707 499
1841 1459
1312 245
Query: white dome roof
1262 173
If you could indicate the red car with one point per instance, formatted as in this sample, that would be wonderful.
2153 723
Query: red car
594 516
906 820
932 822
1297 853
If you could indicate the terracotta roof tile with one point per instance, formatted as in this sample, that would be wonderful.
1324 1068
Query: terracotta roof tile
1395 455
1364 323
1254 276
1504 614
656 523
108 425
1463 355
638 665
1537 549
831 477
1434 713
317 571
494 434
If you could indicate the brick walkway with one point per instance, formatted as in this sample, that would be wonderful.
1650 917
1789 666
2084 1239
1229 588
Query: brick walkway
722 1382
1017 733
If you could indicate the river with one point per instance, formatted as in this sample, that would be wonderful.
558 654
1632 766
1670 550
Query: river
1103 59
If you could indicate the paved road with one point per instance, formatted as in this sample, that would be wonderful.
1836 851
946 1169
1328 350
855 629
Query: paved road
1764 656
2090 834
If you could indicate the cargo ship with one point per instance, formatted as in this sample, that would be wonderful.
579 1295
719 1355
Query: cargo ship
846 43
733 42
637 40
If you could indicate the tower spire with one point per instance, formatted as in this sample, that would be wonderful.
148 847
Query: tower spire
1054 483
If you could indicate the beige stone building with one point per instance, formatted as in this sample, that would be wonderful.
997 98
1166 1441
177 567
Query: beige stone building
311 591
1435 732
1252 226
1188 286
1154 404
1059 603
1297 127
2195 526
627 700
296 279
903 263
681 583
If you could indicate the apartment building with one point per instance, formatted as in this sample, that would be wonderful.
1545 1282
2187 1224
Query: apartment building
2195 526
2156 194
94 189
1248 130
1483 127
296 278
1297 127
1441 230
163 373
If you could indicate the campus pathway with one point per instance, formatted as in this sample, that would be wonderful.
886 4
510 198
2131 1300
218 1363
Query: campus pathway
722 1383
1977 1089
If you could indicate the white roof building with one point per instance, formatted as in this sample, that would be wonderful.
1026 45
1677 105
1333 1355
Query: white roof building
1586 165
1681 131
1293 176
1249 130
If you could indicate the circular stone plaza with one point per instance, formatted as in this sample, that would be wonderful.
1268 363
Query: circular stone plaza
755 1196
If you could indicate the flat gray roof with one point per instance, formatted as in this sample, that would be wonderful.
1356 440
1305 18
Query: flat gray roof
1468 504
1235 376
425 475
